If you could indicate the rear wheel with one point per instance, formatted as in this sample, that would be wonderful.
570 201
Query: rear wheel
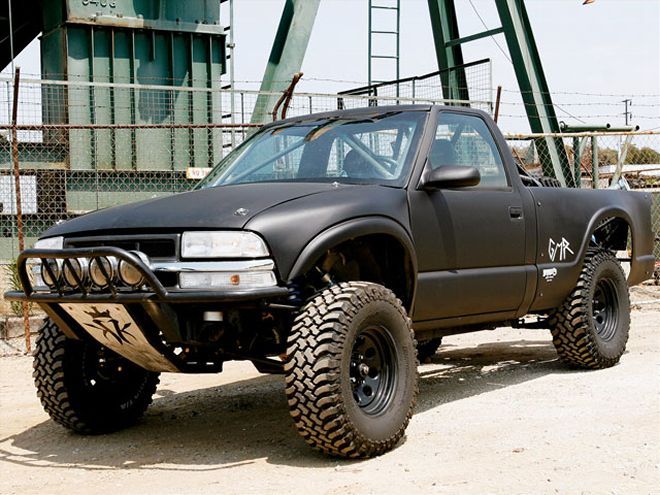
351 375
590 329
87 387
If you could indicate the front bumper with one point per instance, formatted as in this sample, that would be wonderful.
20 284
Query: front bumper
139 324
152 291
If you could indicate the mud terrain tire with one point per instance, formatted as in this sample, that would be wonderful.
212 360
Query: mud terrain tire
351 373
85 386
590 329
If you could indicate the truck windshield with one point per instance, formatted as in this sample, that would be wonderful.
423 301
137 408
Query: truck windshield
373 149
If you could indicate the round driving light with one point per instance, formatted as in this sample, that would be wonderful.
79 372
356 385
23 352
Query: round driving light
75 272
102 271
51 281
130 275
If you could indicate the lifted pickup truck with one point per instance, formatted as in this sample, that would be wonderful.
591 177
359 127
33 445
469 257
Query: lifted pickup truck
330 248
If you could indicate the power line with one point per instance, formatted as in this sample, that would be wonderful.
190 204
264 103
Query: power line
488 29
11 35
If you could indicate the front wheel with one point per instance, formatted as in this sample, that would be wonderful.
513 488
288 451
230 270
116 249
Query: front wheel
351 373
87 387
590 329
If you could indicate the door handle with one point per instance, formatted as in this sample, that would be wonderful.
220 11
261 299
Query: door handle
515 212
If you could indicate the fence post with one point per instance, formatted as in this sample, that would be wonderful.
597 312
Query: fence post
595 177
17 192
497 104
577 162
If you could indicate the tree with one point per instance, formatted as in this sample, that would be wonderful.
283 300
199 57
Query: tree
642 156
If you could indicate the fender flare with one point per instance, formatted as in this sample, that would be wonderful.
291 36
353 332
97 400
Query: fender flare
353 229
605 213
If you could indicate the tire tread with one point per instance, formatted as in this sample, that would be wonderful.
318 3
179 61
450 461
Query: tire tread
570 324
54 392
312 377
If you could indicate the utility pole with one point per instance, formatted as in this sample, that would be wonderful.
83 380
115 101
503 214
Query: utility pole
628 114
11 35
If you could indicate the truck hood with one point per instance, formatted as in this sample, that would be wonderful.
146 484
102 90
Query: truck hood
227 207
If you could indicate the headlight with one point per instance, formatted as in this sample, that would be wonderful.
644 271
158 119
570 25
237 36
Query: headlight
222 245
50 243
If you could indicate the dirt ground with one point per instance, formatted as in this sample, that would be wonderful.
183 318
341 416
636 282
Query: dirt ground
496 414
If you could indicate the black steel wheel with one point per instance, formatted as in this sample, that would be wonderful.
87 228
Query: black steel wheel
590 330
87 387
373 370
351 373
605 309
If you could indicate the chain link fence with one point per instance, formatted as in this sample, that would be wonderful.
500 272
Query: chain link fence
84 146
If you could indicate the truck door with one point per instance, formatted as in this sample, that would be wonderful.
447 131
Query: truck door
470 241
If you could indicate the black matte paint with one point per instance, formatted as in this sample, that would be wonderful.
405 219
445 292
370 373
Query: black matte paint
478 255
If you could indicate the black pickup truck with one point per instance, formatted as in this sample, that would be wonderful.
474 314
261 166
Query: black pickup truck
331 248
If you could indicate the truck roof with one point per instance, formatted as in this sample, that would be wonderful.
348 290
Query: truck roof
372 111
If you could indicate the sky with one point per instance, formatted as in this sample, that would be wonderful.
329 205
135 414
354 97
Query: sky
594 56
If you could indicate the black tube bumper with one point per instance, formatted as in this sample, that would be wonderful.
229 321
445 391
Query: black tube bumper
153 290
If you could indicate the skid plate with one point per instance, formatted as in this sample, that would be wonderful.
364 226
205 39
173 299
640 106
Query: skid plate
112 326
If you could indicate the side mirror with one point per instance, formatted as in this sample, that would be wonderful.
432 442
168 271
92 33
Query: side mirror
451 176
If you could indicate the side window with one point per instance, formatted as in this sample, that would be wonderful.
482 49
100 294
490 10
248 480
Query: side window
465 140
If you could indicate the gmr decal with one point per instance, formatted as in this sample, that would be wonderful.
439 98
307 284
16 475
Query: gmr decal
561 247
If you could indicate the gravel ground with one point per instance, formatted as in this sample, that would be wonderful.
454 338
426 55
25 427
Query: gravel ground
496 414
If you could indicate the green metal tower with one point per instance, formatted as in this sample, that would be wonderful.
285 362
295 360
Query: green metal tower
384 40
287 54
296 27
527 64
120 59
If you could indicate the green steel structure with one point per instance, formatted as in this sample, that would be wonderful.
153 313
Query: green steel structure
524 53
149 46
151 43
534 88
448 47
110 70
384 39
448 52
287 54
